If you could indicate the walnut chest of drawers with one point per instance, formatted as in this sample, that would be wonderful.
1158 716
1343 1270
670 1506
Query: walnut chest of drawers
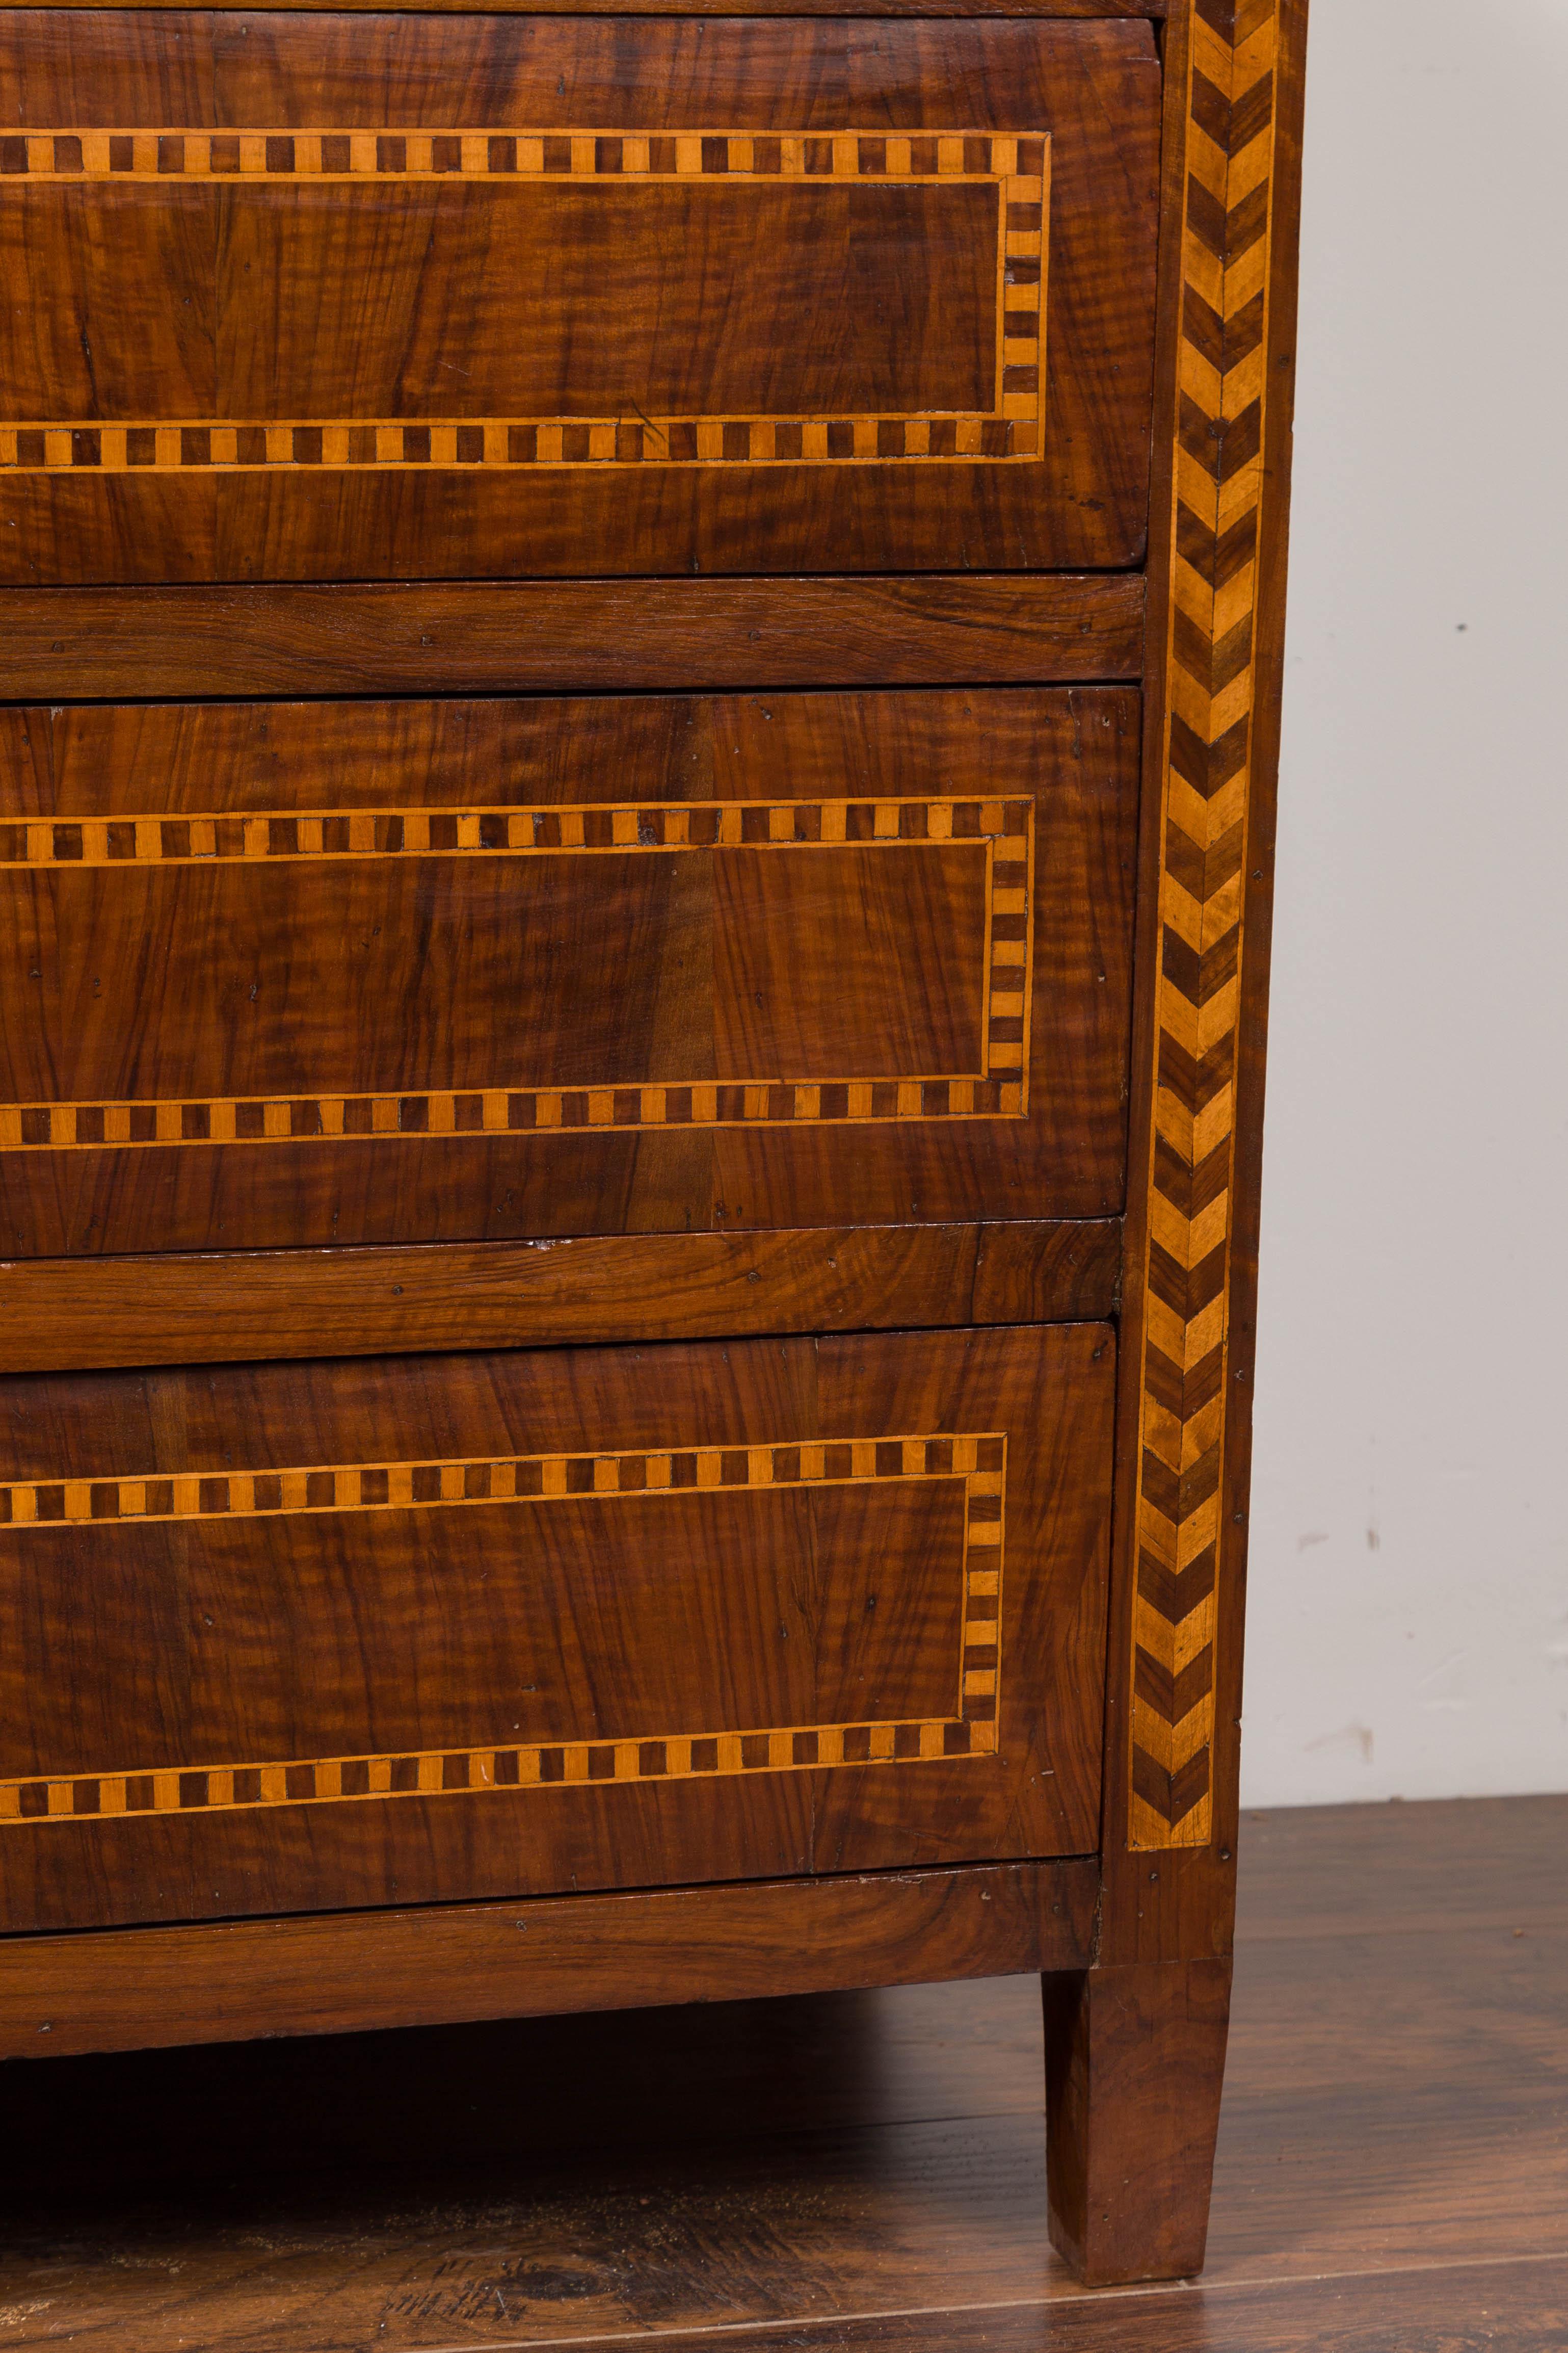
640 660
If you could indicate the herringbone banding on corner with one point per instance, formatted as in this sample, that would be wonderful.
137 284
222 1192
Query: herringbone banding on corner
1206 781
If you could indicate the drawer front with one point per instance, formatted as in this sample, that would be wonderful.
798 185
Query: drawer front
311 295
277 1638
354 973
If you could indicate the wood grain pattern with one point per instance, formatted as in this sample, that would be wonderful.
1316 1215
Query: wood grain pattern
1441 1867
175 1309
976 1464
358 1971
1003 956
1475 2309
1206 787
60 645
691 1009
1134 2063
1017 234
331 1648
708 371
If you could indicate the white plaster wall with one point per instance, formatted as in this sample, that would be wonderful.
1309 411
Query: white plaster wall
1408 1610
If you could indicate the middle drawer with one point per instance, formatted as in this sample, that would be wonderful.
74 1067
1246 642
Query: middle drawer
317 973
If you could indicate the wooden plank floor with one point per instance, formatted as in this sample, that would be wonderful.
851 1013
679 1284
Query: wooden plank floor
860 2170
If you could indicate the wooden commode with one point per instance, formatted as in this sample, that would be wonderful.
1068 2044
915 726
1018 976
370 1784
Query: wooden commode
641 658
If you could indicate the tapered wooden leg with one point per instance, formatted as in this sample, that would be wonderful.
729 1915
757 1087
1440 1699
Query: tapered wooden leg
1134 2060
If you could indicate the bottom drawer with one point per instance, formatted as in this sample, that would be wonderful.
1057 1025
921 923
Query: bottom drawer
281 1638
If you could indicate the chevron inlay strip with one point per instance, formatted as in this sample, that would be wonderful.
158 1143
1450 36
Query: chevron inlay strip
1018 167
999 1089
1207 774
88 1507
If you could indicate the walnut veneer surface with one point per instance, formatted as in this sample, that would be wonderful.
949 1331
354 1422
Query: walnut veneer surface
641 663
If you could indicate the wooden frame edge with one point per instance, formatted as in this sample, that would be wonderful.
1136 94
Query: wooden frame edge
1065 10
813 632
416 1298
136 1989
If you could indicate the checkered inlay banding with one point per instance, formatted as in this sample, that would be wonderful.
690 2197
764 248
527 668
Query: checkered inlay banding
506 443
1017 166
507 155
87 1507
1003 830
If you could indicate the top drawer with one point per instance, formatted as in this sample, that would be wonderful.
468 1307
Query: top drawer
317 296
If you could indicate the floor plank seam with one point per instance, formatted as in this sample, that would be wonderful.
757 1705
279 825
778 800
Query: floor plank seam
1140 2292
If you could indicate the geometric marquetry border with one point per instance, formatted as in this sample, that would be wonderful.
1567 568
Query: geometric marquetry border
1018 167
1206 778
93 1509
998 1089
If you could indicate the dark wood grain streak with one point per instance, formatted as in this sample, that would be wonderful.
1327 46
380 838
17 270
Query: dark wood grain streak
182 1309
373 1970
60 645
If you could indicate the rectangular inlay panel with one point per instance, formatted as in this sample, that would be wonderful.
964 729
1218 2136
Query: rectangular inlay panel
783 202
661 1614
278 974
202 932
976 1462
411 296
